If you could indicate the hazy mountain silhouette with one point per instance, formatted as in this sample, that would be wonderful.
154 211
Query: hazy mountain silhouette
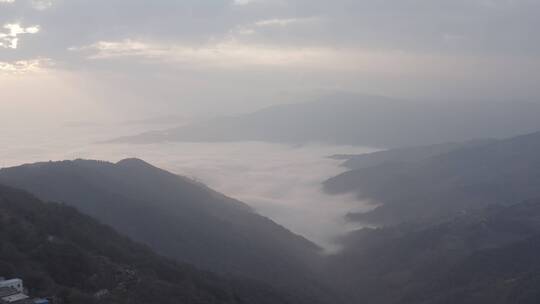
361 120
402 155
178 218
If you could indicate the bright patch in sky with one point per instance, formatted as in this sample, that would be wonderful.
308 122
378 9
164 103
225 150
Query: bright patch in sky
23 66
226 54
42 4
10 38
243 2
39 5
281 22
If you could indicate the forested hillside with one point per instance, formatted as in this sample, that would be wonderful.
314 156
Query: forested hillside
180 219
71 258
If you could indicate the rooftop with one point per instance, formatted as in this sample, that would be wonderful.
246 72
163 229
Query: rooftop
7 291
15 298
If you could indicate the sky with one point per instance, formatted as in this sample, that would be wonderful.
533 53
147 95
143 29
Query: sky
64 61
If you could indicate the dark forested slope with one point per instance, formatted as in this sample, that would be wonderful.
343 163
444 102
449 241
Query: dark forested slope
70 257
506 275
491 255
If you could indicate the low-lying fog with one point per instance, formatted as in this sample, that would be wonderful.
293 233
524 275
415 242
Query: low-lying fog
282 182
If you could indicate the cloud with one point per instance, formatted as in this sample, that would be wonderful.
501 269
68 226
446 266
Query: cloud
35 4
284 182
24 66
245 2
279 181
10 38
282 22
414 26
226 54
42 4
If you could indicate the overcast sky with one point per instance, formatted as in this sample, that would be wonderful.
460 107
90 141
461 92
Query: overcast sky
76 60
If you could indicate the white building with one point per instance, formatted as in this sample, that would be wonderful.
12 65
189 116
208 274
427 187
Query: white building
15 298
12 292
13 283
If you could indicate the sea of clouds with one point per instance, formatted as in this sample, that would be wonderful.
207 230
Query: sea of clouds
282 182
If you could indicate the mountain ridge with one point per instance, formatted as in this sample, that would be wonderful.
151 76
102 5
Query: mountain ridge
71 258
177 217
501 171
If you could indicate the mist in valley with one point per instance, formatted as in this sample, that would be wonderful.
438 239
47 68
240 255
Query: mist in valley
283 182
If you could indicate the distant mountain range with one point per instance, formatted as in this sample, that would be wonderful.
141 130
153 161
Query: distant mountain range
360 120
404 155
458 223
180 219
